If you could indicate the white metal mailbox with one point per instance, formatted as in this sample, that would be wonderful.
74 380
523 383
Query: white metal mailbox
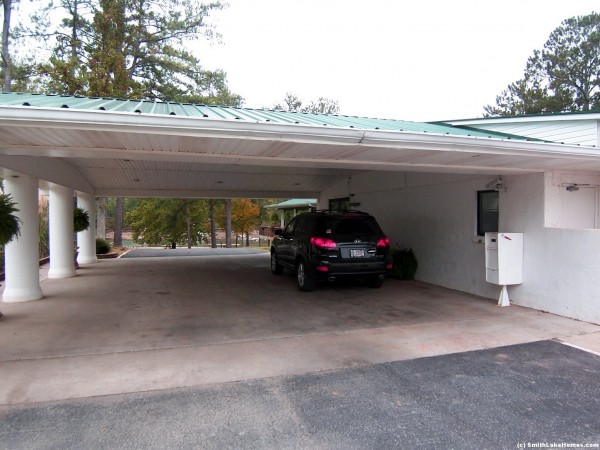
504 261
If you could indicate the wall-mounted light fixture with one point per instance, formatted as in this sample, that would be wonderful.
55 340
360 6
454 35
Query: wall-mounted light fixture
573 187
496 184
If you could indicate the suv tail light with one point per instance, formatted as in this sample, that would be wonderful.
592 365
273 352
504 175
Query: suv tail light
323 242
383 242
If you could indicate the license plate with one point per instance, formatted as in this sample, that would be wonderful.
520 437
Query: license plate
357 253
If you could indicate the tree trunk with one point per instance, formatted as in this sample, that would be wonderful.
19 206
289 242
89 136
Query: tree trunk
74 30
101 218
118 239
6 60
213 224
228 206
247 239
188 224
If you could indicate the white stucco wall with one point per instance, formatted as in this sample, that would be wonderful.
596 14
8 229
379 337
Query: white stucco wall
561 266
435 215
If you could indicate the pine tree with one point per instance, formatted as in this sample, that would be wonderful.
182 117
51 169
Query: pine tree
564 76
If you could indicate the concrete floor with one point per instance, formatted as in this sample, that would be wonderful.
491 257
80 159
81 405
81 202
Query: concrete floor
143 324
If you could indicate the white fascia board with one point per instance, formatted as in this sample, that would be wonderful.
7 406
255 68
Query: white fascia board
110 121
472 144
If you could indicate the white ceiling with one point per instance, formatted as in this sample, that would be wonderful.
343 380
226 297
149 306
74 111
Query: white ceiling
125 154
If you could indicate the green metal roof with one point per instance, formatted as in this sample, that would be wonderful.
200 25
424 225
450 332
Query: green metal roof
294 203
524 116
242 114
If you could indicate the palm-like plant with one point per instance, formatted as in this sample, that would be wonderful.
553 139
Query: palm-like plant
81 220
9 222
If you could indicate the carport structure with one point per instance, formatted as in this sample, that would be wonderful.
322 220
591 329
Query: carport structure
95 147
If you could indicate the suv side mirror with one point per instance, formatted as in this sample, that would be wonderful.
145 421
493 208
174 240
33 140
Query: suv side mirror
278 232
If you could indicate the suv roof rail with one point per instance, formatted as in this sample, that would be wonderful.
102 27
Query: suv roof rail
342 211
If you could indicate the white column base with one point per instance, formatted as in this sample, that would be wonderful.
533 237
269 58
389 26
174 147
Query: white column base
504 300
84 260
19 295
62 272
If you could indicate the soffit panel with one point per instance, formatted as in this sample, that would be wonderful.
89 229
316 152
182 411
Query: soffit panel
265 159
166 179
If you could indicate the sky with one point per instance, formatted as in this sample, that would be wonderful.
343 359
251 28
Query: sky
417 60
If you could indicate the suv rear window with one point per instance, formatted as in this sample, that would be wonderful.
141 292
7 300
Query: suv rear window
343 228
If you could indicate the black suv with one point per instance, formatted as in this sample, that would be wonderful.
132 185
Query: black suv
326 245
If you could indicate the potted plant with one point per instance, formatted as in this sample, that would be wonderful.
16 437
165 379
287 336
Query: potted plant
81 222
405 264
81 219
9 223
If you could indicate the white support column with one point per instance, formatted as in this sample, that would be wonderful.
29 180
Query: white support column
101 218
86 240
21 266
282 218
62 245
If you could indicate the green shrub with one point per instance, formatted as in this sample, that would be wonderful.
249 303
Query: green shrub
44 231
102 246
405 264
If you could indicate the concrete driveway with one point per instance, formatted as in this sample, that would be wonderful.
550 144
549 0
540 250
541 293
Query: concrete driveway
145 324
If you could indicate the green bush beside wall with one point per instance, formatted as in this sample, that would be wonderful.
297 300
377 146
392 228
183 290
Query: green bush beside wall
405 264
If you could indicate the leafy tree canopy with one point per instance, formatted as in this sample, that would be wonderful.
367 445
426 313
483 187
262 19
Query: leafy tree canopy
563 77
125 49
161 221
323 105
245 215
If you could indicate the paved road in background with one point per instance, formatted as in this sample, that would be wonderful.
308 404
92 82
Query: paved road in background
198 251
507 397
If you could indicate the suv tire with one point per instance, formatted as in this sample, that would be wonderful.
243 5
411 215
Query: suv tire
305 282
276 268
374 282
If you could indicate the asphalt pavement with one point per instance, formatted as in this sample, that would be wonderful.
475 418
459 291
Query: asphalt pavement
517 396
155 252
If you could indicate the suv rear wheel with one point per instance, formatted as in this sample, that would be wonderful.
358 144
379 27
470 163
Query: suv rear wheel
275 266
305 282
374 282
